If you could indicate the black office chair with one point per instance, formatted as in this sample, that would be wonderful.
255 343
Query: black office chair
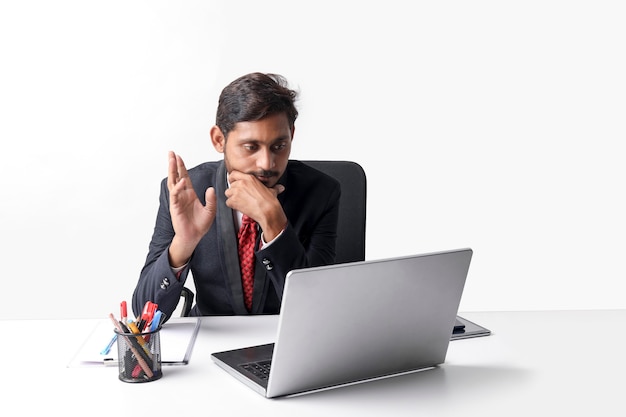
352 208
350 246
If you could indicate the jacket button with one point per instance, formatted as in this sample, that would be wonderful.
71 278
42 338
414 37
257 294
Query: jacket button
268 264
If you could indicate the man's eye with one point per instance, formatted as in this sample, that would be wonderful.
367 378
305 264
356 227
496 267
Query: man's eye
279 147
250 147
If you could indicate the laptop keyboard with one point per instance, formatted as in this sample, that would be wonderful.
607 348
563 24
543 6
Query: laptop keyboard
259 369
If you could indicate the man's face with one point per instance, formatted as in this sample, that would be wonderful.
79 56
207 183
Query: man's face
259 148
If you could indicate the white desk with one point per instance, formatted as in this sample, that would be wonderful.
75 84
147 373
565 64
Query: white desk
535 363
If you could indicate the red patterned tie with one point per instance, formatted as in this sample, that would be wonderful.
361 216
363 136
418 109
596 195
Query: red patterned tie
247 237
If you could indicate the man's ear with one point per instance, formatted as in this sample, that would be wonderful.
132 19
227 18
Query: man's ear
218 139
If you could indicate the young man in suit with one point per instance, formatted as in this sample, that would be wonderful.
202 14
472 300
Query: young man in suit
201 212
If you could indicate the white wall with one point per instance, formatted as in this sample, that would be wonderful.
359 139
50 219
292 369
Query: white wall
490 124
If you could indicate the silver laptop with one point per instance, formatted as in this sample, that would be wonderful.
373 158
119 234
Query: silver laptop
354 322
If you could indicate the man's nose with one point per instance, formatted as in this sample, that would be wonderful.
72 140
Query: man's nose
265 160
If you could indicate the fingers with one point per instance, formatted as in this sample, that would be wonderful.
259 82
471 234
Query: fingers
279 188
236 176
210 201
172 171
249 195
177 194
182 170
176 170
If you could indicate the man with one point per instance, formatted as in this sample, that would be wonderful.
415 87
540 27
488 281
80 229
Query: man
202 210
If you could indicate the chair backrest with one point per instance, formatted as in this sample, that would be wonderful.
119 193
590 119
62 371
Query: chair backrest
352 207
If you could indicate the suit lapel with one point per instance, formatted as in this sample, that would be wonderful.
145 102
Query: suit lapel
227 238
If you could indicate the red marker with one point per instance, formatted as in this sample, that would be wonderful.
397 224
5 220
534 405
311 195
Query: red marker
123 312
146 315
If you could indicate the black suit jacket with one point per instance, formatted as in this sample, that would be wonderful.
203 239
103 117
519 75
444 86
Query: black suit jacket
311 203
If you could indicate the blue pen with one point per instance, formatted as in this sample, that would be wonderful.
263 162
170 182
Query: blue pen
107 349
156 320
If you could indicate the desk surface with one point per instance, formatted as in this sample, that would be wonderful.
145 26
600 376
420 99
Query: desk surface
534 363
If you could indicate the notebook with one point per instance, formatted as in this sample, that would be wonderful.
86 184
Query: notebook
354 322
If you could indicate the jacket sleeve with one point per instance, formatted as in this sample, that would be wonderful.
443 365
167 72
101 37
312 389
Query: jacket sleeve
293 251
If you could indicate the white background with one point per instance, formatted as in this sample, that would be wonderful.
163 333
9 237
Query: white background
495 125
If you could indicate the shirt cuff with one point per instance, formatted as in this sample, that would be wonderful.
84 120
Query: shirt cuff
265 244
177 271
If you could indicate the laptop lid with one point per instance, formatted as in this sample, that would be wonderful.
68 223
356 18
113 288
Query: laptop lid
353 322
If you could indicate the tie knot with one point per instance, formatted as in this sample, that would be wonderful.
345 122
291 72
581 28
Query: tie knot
246 220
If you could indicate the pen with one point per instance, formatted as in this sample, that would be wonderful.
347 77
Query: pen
154 323
124 315
123 311
137 341
137 354
156 320
108 347
133 328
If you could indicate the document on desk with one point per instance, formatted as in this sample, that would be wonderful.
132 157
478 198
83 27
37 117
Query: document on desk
178 337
